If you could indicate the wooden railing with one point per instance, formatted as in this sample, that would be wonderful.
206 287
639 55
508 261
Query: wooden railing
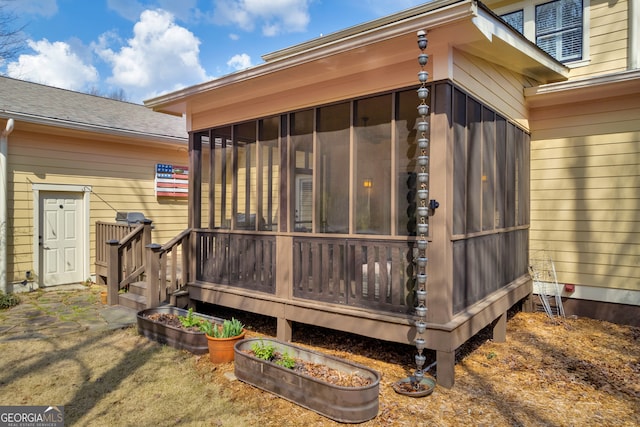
105 232
168 272
126 260
245 260
161 269
364 273
373 274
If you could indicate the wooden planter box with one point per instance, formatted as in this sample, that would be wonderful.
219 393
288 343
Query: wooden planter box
343 404
182 339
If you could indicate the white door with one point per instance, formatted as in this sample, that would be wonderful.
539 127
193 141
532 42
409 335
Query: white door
61 238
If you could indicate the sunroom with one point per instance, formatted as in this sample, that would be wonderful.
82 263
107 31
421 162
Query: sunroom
304 177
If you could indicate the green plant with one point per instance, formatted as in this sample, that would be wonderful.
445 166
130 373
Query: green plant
263 351
8 300
228 329
207 327
190 320
286 361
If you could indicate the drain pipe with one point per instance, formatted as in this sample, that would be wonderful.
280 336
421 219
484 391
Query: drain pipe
3 204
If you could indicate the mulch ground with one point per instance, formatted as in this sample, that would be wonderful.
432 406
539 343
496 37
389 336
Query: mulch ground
561 372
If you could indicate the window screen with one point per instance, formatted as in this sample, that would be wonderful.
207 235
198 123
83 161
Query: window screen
559 29
515 19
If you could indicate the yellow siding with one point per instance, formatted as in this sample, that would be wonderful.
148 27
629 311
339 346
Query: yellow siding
121 177
585 187
499 87
608 39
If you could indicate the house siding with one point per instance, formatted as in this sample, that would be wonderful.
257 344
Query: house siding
501 88
121 177
608 39
584 191
608 35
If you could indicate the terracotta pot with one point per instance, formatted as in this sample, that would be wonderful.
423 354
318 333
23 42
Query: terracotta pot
103 297
221 350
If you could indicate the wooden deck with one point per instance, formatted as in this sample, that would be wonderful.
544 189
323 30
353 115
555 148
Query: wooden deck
359 285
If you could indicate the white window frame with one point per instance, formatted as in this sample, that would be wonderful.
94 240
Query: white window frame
529 11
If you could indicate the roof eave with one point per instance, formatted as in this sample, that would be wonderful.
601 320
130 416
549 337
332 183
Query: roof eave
430 15
584 89
87 127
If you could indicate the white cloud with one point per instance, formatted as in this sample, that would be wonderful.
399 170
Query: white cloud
53 64
240 61
161 56
46 8
183 10
128 9
275 16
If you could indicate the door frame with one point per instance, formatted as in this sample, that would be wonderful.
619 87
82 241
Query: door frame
85 249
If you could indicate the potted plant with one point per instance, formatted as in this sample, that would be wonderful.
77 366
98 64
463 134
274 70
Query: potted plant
221 338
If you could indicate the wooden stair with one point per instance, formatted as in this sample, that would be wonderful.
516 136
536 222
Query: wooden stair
135 297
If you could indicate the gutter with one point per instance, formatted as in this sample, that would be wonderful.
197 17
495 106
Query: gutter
88 127
634 34
587 89
3 203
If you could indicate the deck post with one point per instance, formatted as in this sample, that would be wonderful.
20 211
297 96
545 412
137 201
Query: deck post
113 267
146 232
284 329
152 272
445 368
500 328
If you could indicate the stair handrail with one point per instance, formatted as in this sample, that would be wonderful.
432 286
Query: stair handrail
163 280
116 277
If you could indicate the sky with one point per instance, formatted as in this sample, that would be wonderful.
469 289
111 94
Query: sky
144 48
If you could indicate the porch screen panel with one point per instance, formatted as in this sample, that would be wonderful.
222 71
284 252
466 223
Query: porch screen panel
501 162
488 169
459 161
474 166
301 134
372 130
246 184
522 176
332 176
222 177
269 130
406 151
510 177
205 181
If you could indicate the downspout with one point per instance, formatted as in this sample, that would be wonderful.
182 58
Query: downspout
3 204
634 34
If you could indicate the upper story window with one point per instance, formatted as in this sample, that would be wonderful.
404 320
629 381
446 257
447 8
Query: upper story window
557 27
515 19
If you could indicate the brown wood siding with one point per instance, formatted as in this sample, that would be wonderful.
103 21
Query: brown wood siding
585 186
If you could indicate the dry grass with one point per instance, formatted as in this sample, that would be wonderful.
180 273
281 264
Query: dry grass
578 372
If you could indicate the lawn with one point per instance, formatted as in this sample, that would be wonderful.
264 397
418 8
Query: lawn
576 372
